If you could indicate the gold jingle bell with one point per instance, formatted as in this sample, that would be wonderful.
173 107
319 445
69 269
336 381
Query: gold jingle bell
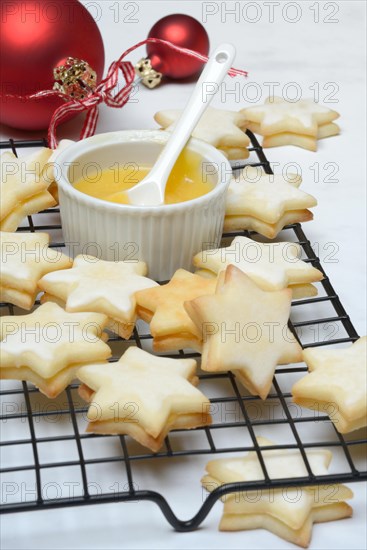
76 78
149 77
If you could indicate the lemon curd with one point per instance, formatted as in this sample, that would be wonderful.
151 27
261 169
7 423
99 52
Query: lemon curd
186 181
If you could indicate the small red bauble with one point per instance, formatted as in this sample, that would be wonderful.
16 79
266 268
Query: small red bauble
36 37
184 31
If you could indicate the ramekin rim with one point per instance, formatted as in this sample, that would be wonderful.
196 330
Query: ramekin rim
137 135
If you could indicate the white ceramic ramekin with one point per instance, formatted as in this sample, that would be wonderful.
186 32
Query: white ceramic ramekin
165 237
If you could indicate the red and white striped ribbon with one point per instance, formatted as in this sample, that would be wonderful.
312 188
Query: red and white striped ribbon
103 92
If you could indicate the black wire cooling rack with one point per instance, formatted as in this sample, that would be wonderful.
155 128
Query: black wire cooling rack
316 321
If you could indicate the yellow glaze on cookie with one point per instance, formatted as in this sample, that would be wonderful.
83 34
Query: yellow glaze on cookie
185 182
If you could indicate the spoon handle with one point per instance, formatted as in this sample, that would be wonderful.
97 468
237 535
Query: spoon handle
206 87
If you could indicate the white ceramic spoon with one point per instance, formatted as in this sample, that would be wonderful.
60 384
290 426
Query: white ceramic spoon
150 191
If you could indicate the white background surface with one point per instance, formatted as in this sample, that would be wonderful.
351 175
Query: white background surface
330 54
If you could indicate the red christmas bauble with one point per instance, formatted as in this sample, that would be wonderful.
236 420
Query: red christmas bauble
184 31
35 38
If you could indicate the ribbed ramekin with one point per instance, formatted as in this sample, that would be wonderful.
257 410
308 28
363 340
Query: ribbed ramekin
165 237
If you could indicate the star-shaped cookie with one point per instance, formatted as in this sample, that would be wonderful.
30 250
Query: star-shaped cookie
289 512
163 308
23 189
144 396
255 195
269 230
336 384
244 330
48 346
272 266
100 286
24 259
299 140
298 291
265 196
277 115
220 128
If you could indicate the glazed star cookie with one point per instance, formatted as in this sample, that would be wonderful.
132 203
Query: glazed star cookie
244 330
298 291
222 129
23 188
249 223
266 196
100 286
300 123
299 140
48 346
299 117
272 266
254 196
24 259
163 308
336 385
144 396
288 512
306 142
